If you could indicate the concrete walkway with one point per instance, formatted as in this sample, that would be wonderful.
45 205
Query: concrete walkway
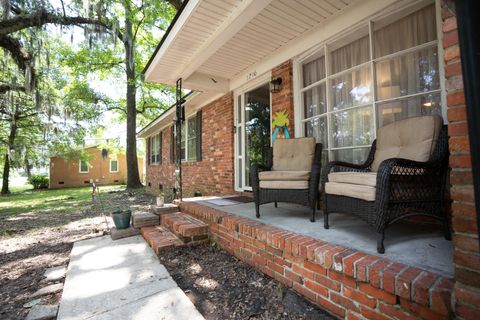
120 280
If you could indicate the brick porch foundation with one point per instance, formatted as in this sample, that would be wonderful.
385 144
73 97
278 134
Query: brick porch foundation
348 283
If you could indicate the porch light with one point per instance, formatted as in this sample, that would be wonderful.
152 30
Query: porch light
275 85
428 104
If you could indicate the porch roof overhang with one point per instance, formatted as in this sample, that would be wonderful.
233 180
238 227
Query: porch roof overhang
215 46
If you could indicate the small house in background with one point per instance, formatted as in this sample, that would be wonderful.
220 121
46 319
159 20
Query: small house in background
103 167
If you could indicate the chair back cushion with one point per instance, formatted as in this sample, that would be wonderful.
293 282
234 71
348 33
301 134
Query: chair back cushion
293 154
412 139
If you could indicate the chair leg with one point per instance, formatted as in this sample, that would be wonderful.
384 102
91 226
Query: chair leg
380 238
446 226
276 204
257 210
325 219
313 213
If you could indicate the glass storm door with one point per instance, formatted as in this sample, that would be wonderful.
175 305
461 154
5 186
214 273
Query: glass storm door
252 132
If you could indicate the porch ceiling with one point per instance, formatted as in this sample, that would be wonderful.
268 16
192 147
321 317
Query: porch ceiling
217 40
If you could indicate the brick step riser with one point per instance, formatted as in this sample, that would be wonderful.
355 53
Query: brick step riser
189 230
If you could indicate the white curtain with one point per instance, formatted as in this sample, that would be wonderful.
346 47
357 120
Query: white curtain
411 73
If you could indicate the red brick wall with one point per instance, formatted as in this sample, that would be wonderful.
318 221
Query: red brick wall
67 171
283 100
347 283
213 175
465 236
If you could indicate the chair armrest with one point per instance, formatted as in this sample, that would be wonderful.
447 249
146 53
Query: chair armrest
340 166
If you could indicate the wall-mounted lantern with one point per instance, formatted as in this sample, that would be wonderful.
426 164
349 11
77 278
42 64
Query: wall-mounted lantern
275 85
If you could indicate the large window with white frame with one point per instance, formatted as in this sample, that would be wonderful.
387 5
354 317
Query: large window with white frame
83 166
114 165
155 149
385 71
189 140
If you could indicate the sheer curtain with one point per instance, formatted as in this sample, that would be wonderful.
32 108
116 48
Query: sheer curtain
411 73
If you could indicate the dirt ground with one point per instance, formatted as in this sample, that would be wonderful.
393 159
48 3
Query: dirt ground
223 287
220 286
40 240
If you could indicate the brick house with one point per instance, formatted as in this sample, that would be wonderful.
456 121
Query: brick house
344 68
103 168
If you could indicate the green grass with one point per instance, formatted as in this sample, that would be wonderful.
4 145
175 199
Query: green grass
24 199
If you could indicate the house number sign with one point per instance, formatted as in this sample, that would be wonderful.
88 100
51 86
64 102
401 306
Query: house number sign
251 75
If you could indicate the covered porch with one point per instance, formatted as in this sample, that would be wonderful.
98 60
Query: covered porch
421 245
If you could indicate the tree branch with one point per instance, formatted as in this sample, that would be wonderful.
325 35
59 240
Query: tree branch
4 88
21 57
43 16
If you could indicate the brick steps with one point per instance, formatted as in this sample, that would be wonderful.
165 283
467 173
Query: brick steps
188 229
159 238
176 230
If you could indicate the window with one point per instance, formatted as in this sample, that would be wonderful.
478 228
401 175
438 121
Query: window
113 165
155 149
83 166
188 144
383 73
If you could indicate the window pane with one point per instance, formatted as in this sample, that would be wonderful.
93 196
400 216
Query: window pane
354 155
352 89
114 165
408 74
413 30
409 107
191 127
353 127
314 101
313 71
192 149
240 172
317 128
351 55
184 132
239 140
239 109
83 166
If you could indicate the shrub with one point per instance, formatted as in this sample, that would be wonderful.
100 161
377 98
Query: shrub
39 182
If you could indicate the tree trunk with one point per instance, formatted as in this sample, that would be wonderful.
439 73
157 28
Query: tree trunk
6 167
27 168
133 178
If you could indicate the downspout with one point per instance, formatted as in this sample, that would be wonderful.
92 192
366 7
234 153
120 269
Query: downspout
468 25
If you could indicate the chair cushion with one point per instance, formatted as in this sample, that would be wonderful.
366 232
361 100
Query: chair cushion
293 154
284 175
361 178
358 191
412 138
277 184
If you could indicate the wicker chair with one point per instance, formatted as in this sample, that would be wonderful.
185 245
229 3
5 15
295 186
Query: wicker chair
404 175
291 174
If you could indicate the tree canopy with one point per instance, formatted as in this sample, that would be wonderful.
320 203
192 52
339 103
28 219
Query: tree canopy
54 53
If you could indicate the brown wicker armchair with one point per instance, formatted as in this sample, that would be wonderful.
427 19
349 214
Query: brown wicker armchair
404 175
292 174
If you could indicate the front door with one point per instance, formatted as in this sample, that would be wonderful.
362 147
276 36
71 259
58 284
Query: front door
252 132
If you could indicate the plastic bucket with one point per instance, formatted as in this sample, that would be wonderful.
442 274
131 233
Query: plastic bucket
122 219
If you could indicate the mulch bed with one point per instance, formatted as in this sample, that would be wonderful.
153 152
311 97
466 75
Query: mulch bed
40 240
223 287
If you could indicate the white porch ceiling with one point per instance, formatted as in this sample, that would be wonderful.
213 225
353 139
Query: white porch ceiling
216 40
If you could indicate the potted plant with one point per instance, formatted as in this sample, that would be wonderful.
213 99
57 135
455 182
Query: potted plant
160 199
121 218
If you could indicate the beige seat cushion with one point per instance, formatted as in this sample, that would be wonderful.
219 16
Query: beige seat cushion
293 154
412 138
362 192
276 184
362 178
284 175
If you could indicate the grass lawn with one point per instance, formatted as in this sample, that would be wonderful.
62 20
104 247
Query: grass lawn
23 199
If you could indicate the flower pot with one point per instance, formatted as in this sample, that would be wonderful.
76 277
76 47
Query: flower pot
122 219
160 201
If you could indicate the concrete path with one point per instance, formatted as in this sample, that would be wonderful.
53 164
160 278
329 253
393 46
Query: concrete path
120 280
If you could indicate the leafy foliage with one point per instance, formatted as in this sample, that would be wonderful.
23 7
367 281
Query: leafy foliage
39 182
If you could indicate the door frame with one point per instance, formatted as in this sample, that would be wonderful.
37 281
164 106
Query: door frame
251 85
